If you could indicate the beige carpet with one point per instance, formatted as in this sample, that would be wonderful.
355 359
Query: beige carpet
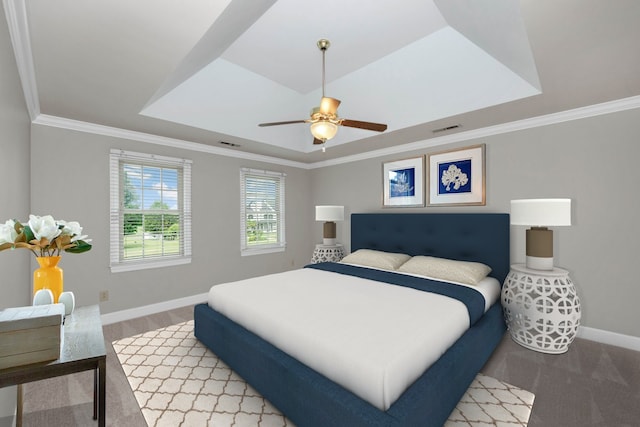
178 381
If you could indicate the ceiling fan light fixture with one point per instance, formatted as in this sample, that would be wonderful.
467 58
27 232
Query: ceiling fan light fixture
324 119
324 130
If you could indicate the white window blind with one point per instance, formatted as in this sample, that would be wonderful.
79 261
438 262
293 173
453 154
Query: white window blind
262 215
150 211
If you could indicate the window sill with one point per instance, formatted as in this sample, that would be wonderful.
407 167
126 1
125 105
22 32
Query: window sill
144 265
260 251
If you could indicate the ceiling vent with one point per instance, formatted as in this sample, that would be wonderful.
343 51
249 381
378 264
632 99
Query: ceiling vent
446 128
229 144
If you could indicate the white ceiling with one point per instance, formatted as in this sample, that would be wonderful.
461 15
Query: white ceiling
209 71
427 71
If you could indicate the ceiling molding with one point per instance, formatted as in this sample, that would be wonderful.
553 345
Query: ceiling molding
15 11
549 119
76 125
546 120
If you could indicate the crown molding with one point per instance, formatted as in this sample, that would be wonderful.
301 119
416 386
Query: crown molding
534 122
80 126
15 11
546 120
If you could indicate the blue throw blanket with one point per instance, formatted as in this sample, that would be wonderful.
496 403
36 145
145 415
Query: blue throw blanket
471 298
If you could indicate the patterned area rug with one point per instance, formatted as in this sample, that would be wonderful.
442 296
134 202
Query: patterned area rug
177 381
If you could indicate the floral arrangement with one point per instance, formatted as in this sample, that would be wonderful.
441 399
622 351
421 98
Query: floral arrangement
44 236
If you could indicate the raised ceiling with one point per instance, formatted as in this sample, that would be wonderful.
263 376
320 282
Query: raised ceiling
209 71
439 64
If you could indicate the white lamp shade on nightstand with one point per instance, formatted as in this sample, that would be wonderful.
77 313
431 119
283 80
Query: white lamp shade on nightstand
540 214
329 214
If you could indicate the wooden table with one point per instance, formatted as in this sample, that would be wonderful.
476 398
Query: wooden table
82 350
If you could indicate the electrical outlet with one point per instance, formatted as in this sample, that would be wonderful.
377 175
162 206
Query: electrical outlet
104 296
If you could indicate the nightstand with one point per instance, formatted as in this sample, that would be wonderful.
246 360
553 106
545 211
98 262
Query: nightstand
541 308
327 253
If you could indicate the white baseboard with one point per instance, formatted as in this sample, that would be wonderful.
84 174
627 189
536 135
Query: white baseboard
611 338
8 406
591 334
133 313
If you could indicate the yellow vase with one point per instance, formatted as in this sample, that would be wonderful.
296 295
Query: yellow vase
48 276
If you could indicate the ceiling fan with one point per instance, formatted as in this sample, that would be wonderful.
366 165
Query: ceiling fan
324 119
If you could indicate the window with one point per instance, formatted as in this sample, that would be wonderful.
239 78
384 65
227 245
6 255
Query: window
261 211
150 211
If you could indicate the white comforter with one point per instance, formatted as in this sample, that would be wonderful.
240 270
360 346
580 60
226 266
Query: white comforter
372 338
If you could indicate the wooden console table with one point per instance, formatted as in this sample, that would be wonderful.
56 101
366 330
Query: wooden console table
82 350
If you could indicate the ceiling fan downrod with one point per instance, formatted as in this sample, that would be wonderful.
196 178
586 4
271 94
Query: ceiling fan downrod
323 45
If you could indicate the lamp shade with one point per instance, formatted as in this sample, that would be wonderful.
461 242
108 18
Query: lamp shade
329 213
324 130
541 212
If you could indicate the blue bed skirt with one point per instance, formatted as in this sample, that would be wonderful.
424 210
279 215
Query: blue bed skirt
309 399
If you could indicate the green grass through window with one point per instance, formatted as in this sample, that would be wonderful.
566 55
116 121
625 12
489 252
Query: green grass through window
133 246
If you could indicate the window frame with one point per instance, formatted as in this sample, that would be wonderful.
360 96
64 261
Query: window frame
117 159
281 243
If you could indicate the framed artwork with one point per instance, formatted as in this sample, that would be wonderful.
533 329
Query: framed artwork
403 182
456 177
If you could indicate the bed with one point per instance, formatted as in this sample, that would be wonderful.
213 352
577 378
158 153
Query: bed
309 398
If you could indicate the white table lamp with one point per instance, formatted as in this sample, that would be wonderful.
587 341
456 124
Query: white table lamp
540 214
329 214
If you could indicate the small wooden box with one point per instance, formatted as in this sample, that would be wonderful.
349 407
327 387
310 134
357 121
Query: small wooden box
30 334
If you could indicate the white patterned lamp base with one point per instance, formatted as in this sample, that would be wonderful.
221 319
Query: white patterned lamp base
541 308
327 253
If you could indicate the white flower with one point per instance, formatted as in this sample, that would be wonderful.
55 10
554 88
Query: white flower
44 226
8 232
72 229
46 236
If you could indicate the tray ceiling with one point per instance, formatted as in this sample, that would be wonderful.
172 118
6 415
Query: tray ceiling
206 71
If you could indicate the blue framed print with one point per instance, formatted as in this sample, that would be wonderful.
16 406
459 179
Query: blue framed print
456 177
402 182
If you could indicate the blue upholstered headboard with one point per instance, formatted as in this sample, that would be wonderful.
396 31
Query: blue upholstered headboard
480 237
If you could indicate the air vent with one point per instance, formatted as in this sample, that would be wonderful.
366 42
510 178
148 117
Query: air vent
446 128
230 144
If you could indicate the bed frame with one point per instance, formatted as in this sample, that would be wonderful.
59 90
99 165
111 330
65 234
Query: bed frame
310 399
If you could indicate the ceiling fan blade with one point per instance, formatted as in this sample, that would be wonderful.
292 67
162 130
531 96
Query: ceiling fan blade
378 127
281 123
317 141
329 105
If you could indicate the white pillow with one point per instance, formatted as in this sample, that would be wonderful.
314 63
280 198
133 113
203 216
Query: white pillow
446 269
376 259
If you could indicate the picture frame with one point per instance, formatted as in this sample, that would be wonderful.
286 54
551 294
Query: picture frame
457 177
403 183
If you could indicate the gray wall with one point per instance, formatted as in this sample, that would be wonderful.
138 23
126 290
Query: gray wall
14 191
14 172
70 176
592 161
